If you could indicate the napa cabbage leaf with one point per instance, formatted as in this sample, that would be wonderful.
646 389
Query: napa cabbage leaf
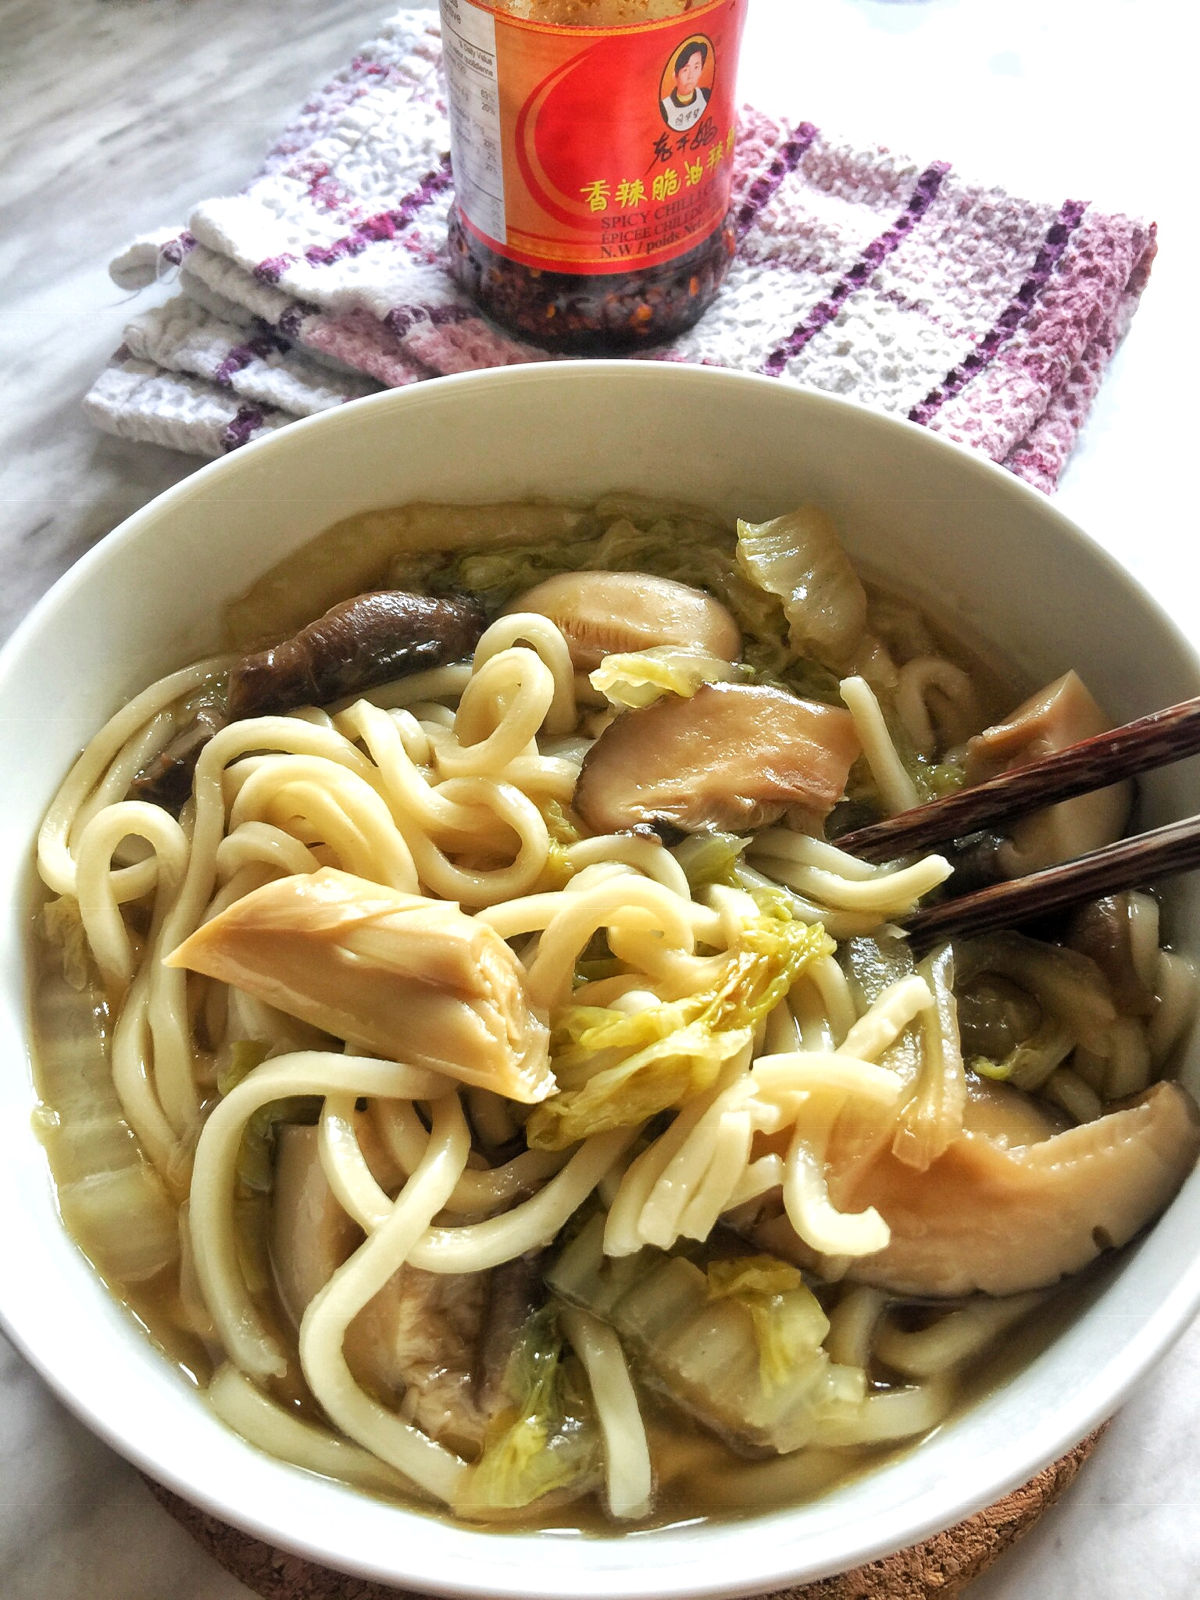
789 1324
632 679
615 1069
798 558
737 1343
544 1439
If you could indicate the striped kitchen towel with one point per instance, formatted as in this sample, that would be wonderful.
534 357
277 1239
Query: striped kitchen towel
891 281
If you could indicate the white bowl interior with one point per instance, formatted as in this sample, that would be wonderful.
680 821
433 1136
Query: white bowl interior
935 519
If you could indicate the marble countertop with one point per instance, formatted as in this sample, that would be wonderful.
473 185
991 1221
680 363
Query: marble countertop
118 114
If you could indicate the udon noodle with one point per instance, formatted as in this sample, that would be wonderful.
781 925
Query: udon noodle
465 1044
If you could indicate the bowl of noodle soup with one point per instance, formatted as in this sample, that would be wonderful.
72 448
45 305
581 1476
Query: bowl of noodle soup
571 1078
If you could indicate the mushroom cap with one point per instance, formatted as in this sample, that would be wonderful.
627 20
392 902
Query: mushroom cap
1002 1217
1059 715
733 756
605 613
383 634
1005 1218
418 1334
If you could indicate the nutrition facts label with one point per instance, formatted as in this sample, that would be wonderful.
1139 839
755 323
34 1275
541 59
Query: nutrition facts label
469 49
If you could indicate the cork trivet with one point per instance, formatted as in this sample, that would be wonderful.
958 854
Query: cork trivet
941 1566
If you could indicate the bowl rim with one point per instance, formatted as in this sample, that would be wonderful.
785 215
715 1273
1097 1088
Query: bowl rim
692 1572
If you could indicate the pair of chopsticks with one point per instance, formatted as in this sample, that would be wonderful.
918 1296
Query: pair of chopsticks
1153 741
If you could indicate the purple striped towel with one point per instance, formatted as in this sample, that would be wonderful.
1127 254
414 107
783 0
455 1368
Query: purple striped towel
894 282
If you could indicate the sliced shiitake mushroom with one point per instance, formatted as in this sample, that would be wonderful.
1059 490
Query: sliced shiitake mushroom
368 640
1059 715
1013 1203
604 613
423 1335
383 634
733 756
1104 930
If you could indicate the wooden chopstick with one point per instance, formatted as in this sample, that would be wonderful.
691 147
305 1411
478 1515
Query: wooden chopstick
1152 741
1172 848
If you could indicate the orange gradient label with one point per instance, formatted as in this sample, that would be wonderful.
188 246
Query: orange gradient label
592 149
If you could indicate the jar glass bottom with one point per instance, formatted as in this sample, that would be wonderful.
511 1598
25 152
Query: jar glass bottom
591 313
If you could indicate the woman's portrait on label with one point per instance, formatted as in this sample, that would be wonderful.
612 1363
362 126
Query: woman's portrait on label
687 83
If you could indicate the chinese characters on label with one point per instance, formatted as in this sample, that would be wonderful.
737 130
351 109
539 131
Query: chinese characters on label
678 166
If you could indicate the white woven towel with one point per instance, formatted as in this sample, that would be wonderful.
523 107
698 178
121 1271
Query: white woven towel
892 281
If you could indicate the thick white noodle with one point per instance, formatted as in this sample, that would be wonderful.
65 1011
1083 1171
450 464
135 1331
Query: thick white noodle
734 908
887 1017
1130 1063
688 1178
354 1185
890 1414
781 1031
762 1175
648 856
323 1327
693 1169
319 800
824 874
628 1472
543 777
791 1080
261 844
954 1337
1076 1097
1143 924
833 991
814 1026
106 930
811 1091
806 1195
243 1406
484 809
478 1245
56 864
622 1228
435 684
852 1324
542 636
896 789
214 1240
929 690
499 715
136 757
290 735
598 887
133 1079
1175 989
653 926
723 1177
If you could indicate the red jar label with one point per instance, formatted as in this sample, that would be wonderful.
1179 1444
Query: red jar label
592 149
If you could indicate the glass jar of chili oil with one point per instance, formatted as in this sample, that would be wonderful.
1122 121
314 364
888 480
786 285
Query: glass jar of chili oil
592 144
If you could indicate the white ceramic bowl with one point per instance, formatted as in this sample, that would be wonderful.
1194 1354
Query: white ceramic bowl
935 518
